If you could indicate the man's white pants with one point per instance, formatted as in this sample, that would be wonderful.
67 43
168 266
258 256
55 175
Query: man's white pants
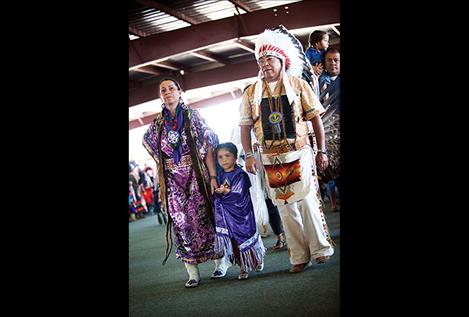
303 225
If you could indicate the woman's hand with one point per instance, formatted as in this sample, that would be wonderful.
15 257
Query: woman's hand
213 185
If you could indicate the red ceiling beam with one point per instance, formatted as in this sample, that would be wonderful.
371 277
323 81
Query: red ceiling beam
148 90
201 79
146 93
300 14
134 84
220 75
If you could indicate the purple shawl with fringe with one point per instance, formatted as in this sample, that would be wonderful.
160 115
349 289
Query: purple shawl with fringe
235 221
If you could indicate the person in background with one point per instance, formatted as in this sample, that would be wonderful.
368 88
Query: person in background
318 44
276 225
329 83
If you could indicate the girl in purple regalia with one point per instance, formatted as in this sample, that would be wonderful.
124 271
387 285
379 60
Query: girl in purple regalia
234 217
183 148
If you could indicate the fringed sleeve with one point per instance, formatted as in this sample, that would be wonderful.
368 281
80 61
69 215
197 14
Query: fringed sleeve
151 139
204 136
248 109
151 142
310 102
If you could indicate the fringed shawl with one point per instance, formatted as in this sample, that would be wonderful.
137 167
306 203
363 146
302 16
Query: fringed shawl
235 222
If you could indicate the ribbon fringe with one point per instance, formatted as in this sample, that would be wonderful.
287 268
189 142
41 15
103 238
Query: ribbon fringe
250 257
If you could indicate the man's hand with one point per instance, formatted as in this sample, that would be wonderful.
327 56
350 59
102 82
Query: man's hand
322 161
251 165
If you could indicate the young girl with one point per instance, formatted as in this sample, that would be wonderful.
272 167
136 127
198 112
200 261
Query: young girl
236 234
318 42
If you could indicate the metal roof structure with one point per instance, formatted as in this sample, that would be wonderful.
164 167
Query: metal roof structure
208 45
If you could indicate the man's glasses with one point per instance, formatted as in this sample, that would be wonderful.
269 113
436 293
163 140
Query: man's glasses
270 60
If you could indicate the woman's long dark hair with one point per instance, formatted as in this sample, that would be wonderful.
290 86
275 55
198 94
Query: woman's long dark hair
171 79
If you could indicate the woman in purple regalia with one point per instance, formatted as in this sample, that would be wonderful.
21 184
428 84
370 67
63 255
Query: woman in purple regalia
183 147
234 216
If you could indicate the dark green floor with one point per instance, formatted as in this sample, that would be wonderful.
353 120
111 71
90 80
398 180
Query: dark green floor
156 290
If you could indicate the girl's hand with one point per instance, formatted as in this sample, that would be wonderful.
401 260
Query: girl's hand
318 69
222 190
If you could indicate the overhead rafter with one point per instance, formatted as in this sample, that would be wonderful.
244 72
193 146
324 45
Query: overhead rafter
245 45
195 105
209 57
219 75
217 99
201 79
241 5
335 30
149 70
170 65
137 32
300 14
168 10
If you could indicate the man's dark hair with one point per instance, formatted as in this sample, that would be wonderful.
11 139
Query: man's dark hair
331 50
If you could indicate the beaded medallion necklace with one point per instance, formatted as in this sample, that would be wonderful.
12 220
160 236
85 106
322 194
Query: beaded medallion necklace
276 114
173 126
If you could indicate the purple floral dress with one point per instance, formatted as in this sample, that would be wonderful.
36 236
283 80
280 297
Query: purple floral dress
193 222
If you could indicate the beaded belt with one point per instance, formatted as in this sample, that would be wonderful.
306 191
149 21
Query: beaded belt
184 162
277 147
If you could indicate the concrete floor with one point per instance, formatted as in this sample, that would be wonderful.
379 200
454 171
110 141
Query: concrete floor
156 290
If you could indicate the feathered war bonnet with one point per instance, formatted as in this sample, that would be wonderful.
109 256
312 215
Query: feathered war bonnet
280 43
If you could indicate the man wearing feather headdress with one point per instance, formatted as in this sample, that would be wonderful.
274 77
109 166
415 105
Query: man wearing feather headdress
276 107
